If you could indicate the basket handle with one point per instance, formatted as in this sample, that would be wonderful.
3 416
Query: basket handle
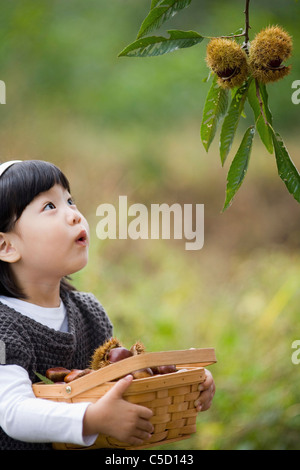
200 357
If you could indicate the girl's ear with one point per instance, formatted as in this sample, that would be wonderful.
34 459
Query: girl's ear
8 252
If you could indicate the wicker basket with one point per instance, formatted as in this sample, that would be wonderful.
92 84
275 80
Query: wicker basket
170 396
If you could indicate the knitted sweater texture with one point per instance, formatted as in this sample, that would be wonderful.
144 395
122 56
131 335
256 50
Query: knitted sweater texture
36 347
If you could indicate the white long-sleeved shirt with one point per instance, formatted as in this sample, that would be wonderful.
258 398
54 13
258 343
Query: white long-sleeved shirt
30 419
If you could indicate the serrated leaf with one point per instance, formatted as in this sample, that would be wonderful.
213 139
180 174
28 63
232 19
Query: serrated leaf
262 128
158 45
215 108
286 168
43 378
239 166
159 13
231 120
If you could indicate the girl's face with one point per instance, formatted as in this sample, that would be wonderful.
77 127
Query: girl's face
51 236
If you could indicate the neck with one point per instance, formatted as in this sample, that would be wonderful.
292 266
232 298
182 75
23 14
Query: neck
39 288
42 294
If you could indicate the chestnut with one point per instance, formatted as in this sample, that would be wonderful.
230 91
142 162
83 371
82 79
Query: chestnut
142 373
100 356
227 73
57 374
164 369
275 63
118 354
75 374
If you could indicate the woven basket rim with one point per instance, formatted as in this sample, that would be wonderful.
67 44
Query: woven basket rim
198 357
184 376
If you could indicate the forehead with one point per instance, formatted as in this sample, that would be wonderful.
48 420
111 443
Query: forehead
56 192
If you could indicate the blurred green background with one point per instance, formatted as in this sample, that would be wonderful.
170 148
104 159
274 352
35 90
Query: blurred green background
131 127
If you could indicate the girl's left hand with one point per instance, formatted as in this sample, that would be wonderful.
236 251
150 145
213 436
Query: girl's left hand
207 390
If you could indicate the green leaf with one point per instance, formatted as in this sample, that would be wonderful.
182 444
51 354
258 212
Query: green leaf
206 79
154 3
239 166
43 378
159 13
262 128
286 168
231 120
215 108
158 45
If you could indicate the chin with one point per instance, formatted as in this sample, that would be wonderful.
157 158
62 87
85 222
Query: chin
77 267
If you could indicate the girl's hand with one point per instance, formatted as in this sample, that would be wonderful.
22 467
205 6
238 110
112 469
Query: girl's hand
116 417
207 390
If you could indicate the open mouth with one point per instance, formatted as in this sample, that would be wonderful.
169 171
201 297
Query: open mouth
82 239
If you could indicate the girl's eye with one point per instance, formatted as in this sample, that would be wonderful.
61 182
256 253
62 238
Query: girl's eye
71 201
49 206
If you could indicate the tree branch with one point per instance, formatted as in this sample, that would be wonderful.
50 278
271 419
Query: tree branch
245 33
247 25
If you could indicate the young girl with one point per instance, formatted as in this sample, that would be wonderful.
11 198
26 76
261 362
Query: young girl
45 322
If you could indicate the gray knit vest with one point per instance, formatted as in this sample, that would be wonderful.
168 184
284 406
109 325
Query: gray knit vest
36 347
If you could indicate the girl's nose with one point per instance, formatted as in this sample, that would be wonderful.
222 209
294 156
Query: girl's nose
74 216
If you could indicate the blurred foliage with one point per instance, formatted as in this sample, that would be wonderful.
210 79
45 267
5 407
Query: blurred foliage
239 294
119 126
63 56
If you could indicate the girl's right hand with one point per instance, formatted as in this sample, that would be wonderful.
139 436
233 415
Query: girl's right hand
116 417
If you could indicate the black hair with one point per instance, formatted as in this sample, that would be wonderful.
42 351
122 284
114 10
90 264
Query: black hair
19 185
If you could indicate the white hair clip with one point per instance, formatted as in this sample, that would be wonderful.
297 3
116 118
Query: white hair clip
6 165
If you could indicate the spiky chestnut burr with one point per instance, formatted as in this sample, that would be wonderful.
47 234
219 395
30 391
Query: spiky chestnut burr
137 348
109 352
269 49
227 59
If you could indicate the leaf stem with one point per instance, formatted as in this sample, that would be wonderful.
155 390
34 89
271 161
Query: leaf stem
228 37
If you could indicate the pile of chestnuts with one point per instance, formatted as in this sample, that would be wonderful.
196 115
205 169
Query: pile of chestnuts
110 352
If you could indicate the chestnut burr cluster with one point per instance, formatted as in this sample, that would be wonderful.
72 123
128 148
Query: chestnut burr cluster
268 51
110 352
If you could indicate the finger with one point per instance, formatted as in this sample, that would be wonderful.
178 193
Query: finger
144 412
210 389
207 393
210 392
207 382
135 441
203 406
138 437
208 377
206 406
145 425
121 386
143 435
204 398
